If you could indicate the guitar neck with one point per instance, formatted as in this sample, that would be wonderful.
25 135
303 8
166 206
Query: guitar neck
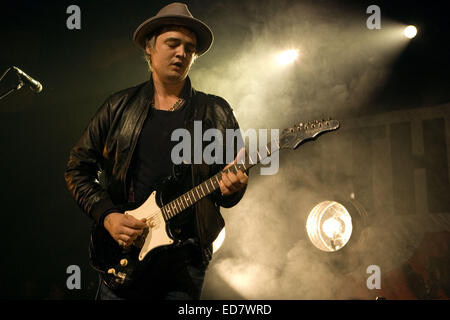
210 185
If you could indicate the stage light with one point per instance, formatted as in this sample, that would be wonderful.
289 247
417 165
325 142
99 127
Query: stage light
410 32
287 57
329 226
219 240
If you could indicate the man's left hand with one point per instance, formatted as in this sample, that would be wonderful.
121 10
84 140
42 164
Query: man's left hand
232 182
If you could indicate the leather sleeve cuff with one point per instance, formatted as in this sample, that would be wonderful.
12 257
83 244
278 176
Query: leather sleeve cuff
99 210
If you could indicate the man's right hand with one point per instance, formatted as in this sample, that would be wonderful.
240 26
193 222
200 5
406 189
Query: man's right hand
124 228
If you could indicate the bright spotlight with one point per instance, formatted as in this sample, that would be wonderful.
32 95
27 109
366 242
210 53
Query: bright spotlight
287 57
410 32
329 226
219 240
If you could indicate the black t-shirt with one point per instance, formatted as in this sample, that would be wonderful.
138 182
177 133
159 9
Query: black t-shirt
151 160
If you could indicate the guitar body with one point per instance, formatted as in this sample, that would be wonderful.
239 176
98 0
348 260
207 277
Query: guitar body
106 256
122 266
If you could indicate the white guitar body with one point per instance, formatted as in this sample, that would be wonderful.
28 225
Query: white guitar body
157 234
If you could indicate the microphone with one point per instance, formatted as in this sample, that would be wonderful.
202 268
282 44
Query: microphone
35 85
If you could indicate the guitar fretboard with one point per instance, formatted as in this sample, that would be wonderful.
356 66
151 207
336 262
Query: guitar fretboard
209 186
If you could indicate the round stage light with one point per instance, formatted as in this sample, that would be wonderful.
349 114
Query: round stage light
219 240
329 226
410 32
287 57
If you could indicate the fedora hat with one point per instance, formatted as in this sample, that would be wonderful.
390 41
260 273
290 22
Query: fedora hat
175 14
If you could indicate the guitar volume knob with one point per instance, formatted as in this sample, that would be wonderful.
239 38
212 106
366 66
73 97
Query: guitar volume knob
112 271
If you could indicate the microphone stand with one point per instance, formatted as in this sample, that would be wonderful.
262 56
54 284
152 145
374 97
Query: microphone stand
13 88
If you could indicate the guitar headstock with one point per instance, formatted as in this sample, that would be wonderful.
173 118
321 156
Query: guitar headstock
291 138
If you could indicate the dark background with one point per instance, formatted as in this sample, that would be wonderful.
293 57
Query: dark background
43 232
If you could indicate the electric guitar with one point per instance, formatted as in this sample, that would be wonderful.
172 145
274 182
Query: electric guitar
122 266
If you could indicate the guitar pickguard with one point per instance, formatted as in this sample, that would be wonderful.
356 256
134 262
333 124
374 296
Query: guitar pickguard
157 235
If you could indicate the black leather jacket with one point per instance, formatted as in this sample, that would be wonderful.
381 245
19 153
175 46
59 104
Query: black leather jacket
108 143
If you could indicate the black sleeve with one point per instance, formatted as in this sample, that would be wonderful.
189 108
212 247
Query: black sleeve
85 159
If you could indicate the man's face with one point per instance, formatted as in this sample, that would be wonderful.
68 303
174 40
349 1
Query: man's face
173 54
